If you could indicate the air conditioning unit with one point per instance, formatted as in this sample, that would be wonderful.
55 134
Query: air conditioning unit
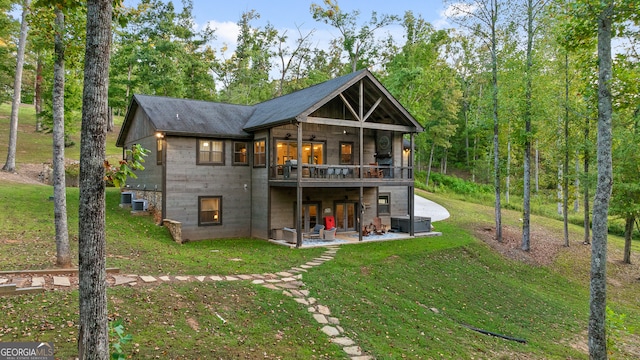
126 198
139 205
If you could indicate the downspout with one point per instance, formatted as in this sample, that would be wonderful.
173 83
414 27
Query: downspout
411 192
361 146
299 188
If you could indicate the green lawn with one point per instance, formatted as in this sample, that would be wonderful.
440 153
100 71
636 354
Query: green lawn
399 299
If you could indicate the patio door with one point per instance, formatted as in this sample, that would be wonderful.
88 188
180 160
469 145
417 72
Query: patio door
346 216
309 215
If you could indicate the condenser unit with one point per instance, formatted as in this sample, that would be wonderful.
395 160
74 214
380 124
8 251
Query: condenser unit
139 205
126 198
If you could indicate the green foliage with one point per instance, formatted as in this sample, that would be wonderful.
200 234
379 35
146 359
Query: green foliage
118 339
453 184
126 168
617 329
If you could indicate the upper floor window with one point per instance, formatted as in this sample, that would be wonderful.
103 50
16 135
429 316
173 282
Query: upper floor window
240 153
260 153
346 153
210 152
312 152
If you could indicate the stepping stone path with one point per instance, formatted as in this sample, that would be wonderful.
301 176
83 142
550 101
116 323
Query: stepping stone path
288 282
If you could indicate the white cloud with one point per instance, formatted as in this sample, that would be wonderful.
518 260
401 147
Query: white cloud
226 33
458 10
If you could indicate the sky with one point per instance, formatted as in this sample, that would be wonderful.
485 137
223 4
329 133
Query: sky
222 15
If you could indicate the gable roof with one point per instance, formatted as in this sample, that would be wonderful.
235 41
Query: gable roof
189 117
287 107
203 118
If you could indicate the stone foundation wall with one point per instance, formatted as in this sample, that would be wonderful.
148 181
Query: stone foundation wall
175 228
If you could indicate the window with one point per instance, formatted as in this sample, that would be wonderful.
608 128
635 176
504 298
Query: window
240 153
312 152
384 204
210 152
346 153
259 153
159 150
209 210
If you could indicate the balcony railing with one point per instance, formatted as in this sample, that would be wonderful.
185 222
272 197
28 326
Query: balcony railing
328 172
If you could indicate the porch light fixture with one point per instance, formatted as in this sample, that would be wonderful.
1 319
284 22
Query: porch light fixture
159 135
287 136
313 136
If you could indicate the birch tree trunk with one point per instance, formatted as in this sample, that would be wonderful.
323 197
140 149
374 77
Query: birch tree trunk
10 164
63 253
598 284
93 342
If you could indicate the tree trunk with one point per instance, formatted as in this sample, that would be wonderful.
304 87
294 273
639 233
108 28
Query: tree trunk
537 169
587 218
565 167
559 189
10 165
598 284
110 125
576 184
93 342
433 147
507 181
526 206
628 235
63 253
38 93
496 124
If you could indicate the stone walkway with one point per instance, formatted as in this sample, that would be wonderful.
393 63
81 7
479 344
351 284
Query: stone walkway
289 282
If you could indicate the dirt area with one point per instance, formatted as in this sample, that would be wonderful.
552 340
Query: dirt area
544 247
25 174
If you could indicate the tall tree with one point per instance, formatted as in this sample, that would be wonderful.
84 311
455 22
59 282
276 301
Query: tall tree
420 76
245 75
357 40
482 18
292 61
10 164
63 252
93 342
598 287
533 10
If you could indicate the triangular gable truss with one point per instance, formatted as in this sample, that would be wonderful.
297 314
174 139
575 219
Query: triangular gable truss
369 105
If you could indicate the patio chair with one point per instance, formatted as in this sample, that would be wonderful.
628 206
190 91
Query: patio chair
330 172
290 235
316 232
329 234
374 171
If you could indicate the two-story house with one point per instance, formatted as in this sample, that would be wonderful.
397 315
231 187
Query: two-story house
338 151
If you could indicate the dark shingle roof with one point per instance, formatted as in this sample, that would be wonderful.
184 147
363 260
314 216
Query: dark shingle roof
182 116
287 107
203 118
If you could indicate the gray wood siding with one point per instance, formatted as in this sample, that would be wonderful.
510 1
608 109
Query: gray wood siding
332 136
259 191
186 181
399 199
142 132
283 201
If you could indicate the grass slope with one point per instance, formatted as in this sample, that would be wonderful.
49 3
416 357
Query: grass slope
400 299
